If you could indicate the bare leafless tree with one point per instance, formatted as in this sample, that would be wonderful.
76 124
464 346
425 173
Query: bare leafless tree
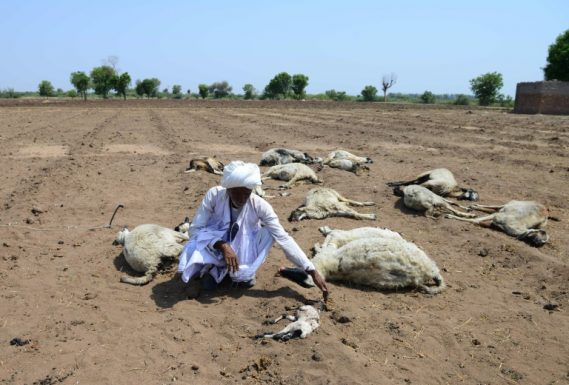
387 82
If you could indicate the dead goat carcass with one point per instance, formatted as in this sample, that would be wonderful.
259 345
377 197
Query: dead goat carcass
419 198
206 163
291 173
276 156
442 182
146 247
524 220
304 321
347 161
322 202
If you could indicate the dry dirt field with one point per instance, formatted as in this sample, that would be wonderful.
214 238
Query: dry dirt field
65 167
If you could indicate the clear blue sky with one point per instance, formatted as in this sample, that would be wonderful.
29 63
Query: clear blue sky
344 45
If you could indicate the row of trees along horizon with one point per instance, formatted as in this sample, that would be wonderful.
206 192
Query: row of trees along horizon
105 79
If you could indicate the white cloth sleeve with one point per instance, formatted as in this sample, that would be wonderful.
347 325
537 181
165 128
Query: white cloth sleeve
292 251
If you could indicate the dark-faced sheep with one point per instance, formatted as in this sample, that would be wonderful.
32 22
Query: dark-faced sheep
206 163
524 220
276 156
379 259
146 247
291 173
420 198
322 202
442 182
304 321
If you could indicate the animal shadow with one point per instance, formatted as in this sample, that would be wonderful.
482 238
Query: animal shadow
168 293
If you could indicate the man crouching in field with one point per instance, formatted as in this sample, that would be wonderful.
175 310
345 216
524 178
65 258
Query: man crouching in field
233 231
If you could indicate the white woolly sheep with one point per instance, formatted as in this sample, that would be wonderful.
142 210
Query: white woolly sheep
347 161
381 262
322 202
440 181
420 198
206 163
146 247
524 220
291 173
337 238
276 156
305 320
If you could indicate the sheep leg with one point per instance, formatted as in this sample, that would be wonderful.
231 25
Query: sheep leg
354 215
459 213
291 182
486 209
191 170
147 277
354 203
478 220
456 204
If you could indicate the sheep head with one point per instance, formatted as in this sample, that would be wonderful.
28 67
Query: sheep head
535 237
121 236
296 275
469 194
297 215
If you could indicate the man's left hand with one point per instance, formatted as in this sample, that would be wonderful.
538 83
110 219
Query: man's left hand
320 282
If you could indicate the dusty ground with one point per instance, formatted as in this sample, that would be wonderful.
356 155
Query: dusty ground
65 166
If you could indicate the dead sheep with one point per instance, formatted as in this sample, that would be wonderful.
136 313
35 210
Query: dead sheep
419 198
305 320
442 182
291 173
146 247
276 156
337 238
383 262
322 202
524 220
347 161
206 163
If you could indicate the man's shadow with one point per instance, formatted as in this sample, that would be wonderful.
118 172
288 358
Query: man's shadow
168 293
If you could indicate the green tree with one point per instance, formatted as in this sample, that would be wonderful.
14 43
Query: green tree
45 88
150 87
121 83
428 97
386 83
486 87
177 91
71 94
249 91
220 89
139 89
80 81
336 95
369 93
299 83
102 78
279 86
557 67
462 100
203 90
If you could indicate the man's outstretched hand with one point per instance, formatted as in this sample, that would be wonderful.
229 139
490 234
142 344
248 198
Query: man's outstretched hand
320 282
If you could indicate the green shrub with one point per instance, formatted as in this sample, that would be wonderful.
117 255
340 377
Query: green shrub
428 97
462 100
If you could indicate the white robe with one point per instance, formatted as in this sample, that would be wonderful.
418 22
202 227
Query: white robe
251 244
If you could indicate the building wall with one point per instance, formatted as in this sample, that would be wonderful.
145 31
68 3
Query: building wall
547 97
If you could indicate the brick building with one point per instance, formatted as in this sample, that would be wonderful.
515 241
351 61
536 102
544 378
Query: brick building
547 97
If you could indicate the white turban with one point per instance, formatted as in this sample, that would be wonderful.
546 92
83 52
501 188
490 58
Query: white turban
241 174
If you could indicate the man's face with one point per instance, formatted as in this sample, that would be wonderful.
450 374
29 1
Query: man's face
239 195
